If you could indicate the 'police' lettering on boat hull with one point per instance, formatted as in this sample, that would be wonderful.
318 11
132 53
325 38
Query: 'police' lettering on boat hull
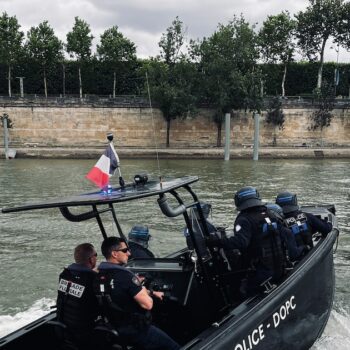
75 289
257 334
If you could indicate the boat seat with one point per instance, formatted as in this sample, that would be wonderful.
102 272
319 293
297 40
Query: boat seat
108 338
64 336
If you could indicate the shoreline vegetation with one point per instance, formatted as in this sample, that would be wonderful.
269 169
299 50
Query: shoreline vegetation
185 153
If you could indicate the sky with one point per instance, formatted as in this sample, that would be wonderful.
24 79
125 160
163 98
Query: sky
144 21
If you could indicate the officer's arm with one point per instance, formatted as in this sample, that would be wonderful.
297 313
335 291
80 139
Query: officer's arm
319 225
293 250
143 299
243 231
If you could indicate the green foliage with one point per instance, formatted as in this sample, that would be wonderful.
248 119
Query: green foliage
171 88
276 41
79 40
276 38
115 48
172 77
9 121
324 98
10 43
275 114
315 26
44 47
172 41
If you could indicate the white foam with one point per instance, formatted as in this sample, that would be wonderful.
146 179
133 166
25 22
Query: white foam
9 324
336 335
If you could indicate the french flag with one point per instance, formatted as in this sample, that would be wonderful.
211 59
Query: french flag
104 168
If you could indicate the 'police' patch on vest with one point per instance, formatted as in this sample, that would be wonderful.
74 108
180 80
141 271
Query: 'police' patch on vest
136 281
75 289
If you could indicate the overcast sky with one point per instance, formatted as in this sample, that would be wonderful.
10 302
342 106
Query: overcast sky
144 21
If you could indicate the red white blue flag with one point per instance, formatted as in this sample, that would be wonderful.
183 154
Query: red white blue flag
104 168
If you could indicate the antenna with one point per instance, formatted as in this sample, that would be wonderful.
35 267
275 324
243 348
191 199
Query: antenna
154 131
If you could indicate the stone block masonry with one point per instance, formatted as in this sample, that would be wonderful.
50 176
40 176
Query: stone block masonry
87 126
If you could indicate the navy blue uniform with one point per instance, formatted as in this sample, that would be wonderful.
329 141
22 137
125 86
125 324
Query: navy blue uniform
77 305
265 255
133 323
304 225
138 251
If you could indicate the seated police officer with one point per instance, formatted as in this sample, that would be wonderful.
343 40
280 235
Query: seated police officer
303 225
77 305
138 242
128 302
261 239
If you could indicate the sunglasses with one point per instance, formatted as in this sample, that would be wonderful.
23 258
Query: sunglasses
93 255
124 250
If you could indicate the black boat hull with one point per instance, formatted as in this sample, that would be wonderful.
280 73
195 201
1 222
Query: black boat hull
292 316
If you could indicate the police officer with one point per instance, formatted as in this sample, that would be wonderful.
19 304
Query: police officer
129 309
77 305
138 242
303 225
261 239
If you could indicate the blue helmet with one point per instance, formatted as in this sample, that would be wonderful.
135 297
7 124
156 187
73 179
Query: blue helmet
288 201
247 197
276 209
139 233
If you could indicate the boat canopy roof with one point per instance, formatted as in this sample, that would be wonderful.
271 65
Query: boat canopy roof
117 194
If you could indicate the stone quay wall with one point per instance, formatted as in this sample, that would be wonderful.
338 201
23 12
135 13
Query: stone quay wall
79 126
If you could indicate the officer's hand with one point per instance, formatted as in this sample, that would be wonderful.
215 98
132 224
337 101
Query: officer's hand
214 240
158 295
121 182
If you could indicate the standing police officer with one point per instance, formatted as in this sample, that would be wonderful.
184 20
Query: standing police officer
303 225
138 242
261 239
127 302
77 306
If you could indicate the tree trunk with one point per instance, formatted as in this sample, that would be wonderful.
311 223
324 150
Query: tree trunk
320 69
45 85
168 121
114 84
9 82
80 84
218 139
64 80
284 79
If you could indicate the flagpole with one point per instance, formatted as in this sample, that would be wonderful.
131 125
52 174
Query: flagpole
121 180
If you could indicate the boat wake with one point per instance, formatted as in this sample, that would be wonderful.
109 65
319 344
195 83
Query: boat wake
8 323
336 335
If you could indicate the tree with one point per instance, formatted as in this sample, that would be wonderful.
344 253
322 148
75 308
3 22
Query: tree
171 87
323 116
10 44
315 26
44 47
276 41
172 41
343 29
225 61
79 43
275 116
171 77
115 49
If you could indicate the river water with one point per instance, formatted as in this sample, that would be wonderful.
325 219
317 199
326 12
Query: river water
36 245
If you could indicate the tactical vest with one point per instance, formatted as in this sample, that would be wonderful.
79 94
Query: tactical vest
111 311
267 249
76 302
299 226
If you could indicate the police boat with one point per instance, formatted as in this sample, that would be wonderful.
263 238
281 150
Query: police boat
203 308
